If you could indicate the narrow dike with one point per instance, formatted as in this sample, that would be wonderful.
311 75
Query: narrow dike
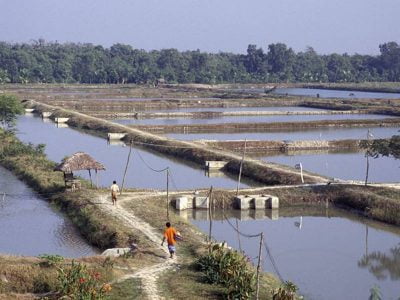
266 173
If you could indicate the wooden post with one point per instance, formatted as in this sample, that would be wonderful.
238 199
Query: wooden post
259 265
367 171
367 157
238 235
241 167
126 167
90 176
167 194
97 179
210 214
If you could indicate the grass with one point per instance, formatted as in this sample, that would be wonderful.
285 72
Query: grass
128 289
186 282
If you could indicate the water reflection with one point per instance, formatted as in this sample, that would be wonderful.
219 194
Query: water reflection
246 119
66 141
383 265
322 93
348 166
29 226
294 135
327 249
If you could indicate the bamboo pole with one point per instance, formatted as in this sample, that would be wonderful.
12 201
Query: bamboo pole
167 194
259 265
241 167
210 215
126 167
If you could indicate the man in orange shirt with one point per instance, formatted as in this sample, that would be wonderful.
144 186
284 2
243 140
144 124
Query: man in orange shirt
169 235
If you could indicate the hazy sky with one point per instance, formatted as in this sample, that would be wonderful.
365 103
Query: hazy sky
209 25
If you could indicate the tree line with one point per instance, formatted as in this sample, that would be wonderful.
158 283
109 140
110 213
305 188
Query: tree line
42 62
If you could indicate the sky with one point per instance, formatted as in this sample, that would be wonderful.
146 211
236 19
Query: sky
351 26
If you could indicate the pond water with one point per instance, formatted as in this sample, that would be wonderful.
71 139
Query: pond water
221 109
335 93
247 119
348 166
301 134
29 226
61 142
326 93
328 254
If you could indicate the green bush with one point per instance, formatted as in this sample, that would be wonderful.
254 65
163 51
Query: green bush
229 268
77 282
287 291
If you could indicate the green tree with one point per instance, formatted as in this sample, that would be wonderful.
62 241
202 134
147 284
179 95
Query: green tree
10 108
383 147
281 60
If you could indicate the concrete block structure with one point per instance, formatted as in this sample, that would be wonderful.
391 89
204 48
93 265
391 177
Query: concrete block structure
272 202
61 120
242 202
258 202
181 203
201 202
115 136
215 164
46 114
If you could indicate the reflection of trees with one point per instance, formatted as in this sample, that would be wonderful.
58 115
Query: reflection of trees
382 264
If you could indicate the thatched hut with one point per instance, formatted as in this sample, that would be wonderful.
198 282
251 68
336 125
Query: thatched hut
77 162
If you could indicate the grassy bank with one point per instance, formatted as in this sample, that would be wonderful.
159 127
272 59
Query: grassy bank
31 165
32 278
267 127
374 202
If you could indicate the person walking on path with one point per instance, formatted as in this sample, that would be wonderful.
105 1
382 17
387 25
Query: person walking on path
169 235
114 190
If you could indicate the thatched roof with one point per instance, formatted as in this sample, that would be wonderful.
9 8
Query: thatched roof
79 161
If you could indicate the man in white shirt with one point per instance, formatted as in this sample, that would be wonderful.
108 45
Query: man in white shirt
114 191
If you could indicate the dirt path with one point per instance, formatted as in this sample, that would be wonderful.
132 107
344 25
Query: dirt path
149 275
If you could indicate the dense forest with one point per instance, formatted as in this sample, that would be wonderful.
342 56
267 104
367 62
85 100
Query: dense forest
42 62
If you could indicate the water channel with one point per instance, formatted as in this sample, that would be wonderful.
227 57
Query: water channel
142 171
30 226
335 93
330 254
247 119
348 166
325 93
298 135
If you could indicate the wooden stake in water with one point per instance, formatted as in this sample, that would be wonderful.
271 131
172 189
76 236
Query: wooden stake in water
259 265
241 167
210 214
167 194
90 176
126 167
369 135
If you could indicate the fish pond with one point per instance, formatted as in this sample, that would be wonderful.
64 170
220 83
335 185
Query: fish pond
328 253
30 226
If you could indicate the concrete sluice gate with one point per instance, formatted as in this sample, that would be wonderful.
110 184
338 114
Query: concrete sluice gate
246 202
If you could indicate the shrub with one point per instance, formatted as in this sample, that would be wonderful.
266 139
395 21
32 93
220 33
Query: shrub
287 291
79 283
50 260
229 268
